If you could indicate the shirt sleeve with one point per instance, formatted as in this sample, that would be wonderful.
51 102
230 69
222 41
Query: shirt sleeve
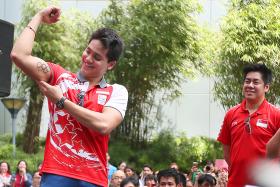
224 135
56 71
118 99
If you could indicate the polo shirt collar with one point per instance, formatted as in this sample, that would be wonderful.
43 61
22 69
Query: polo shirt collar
261 109
81 78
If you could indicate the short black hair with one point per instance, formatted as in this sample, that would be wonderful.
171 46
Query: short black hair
127 180
207 178
150 177
111 41
171 172
262 69
183 179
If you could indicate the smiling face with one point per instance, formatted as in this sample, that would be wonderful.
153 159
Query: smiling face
4 167
254 88
95 61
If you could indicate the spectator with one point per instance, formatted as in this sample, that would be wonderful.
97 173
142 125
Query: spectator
122 165
130 182
194 172
206 180
111 169
129 172
182 179
150 181
174 165
37 177
22 177
5 174
145 171
117 178
168 178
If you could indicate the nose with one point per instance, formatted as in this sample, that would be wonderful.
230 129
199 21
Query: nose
88 59
251 84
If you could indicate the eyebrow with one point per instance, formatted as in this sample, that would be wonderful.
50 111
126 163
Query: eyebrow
95 52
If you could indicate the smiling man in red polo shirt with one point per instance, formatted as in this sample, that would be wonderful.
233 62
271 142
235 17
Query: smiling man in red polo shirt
248 126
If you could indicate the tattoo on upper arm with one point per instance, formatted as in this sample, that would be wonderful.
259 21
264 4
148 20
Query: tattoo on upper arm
42 66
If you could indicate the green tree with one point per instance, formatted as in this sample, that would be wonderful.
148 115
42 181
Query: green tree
163 43
250 34
61 43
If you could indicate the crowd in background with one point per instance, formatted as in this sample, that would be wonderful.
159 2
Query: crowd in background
208 176
125 176
21 178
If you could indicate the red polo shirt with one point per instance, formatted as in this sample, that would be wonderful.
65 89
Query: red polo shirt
245 148
72 149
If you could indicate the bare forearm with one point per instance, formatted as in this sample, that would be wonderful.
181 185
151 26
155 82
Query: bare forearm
273 146
23 45
93 120
226 149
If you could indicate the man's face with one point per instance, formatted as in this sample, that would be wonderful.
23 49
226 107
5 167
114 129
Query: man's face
167 182
117 178
254 88
95 61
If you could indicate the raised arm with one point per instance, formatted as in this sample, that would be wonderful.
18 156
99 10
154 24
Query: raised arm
21 53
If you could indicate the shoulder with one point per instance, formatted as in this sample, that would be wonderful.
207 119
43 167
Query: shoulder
119 90
234 109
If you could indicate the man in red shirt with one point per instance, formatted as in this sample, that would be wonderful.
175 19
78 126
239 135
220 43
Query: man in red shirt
83 107
248 126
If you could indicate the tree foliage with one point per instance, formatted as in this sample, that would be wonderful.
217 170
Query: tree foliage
61 43
163 43
250 34
166 148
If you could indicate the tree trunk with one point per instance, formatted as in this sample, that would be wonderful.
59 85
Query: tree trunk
32 129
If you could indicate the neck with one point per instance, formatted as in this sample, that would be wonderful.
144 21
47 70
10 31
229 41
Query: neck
252 106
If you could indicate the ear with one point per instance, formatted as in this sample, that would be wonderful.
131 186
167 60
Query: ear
111 65
266 88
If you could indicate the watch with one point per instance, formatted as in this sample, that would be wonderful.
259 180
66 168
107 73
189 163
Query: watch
60 103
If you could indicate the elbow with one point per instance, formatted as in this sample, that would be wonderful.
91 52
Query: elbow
104 130
15 57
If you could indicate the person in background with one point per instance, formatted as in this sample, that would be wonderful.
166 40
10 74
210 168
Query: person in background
194 172
37 177
117 178
22 177
150 181
129 172
174 165
5 174
168 178
248 126
145 171
111 169
206 180
130 182
122 165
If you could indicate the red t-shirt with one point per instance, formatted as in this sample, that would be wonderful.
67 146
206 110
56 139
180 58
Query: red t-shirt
245 148
73 150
